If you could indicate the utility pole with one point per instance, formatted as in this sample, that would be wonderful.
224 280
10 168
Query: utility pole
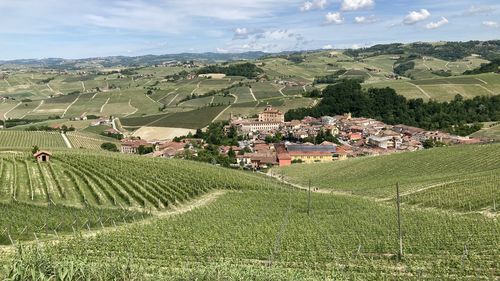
309 200
400 236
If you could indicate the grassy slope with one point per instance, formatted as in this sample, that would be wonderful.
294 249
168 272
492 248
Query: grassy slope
255 235
456 176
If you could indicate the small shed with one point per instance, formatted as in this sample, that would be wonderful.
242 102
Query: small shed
42 156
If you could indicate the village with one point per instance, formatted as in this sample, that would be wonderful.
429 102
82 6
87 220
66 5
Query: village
269 140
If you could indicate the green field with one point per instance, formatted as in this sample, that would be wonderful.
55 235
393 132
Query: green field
193 119
489 131
249 227
461 177
17 139
259 235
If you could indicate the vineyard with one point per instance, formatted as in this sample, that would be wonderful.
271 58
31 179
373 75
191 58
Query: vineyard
51 140
464 178
23 139
263 235
113 180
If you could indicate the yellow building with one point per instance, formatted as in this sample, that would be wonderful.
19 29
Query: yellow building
311 157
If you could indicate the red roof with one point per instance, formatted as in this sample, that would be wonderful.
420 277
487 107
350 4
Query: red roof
42 152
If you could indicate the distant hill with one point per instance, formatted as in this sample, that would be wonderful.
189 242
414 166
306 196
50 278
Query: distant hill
450 51
113 61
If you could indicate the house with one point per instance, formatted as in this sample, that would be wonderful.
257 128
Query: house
284 158
272 115
101 121
42 156
309 153
382 142
132 146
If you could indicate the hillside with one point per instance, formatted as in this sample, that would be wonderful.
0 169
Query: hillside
247 225
25 140
141 94
268 235
462 178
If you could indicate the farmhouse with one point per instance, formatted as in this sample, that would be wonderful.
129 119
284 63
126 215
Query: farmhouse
132 146
42 156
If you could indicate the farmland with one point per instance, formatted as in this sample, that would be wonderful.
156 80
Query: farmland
142 96
250 226
17 139
439 177
269 234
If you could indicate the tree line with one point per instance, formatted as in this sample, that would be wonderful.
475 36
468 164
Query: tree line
386 105
248 70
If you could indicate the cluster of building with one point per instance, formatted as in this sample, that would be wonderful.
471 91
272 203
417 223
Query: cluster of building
353 137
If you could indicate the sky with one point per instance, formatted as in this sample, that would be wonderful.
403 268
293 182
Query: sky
97 28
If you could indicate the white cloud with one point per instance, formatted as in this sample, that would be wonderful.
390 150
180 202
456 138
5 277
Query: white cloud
275 40
416 16
222 50
492 24
438 24
327 47
365 20
311 5
353 5
334 18
240 33
478 10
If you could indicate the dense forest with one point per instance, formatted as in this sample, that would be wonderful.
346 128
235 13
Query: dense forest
450 51
386 105
248 70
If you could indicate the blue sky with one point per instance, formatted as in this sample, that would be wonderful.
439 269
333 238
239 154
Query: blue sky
93 28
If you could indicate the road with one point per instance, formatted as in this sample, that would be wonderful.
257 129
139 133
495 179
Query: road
66 140
251 93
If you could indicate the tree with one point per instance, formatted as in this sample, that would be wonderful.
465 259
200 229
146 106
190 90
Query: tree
34 149
144 149
109 146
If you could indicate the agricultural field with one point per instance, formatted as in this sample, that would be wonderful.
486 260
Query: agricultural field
257 235
461 178
490 130
443 89
20 139
71 178
193 119
25 139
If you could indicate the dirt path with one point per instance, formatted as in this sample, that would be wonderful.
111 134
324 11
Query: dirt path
167 94
7 81
202 201
281 91
70 105
35 109
197 87
135 109
66 140
172 100
224 110
102 107
251 93
481 80
83 86
486 89
5 114
420 89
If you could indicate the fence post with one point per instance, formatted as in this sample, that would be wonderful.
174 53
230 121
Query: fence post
309 200
400 236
